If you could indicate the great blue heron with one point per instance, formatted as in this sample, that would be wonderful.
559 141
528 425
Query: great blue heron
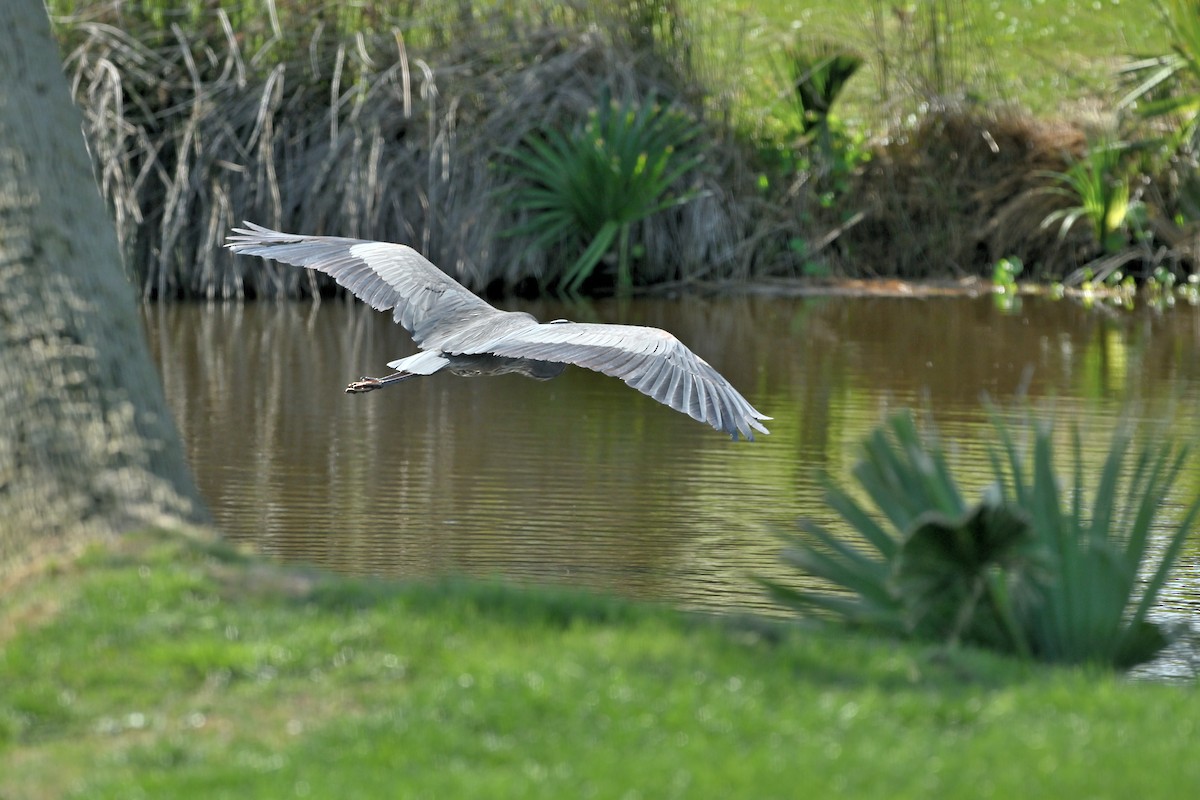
457 330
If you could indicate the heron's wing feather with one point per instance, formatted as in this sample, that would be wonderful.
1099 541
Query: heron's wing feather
650 360
430 304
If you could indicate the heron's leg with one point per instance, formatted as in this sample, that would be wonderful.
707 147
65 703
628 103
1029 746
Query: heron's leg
370 384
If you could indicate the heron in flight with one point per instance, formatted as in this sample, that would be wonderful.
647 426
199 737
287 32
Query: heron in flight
458 331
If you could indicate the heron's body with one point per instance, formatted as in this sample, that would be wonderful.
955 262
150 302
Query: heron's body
459 331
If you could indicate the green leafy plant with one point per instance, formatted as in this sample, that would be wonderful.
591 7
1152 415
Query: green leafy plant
955 574
1029 569
1160 288
1004 280
583 191
1095 607
1165 88
1100 183
1168 85
1005 272
817 76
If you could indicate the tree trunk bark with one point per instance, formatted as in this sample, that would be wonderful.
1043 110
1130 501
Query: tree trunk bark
87 444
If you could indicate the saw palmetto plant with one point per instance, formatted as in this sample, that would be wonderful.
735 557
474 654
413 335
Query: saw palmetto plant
1032 569
583 191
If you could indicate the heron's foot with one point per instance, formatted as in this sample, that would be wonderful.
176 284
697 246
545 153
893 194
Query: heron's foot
364 385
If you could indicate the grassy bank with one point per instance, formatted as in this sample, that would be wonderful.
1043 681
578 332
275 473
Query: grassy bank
174 668
1050 56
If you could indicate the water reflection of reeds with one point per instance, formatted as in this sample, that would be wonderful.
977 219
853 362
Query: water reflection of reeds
582 481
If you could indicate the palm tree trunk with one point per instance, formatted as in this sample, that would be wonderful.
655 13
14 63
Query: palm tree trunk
87 444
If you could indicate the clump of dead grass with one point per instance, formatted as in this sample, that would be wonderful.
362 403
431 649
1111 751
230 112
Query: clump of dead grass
365 138
960 190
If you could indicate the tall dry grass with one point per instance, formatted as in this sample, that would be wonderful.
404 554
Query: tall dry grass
368 137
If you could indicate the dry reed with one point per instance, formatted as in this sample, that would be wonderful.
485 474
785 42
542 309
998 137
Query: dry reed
363 138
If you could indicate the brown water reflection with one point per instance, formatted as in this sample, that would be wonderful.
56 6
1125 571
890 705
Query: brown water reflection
581 480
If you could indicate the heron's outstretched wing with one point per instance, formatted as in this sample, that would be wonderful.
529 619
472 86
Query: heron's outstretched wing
445 316
431 305
650 360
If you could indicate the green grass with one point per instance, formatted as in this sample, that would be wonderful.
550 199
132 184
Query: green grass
1048 55
167 667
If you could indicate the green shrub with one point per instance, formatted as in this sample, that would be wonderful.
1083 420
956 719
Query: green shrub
1005 272
1169 85
1028 570
817 75
1099 183
583 191
1165 90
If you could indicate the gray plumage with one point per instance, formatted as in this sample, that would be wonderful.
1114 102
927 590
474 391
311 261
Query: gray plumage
459 331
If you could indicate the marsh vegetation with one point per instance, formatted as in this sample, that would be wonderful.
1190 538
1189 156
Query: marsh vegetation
885 140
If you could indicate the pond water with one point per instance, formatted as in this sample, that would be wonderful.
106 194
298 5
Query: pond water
583 481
